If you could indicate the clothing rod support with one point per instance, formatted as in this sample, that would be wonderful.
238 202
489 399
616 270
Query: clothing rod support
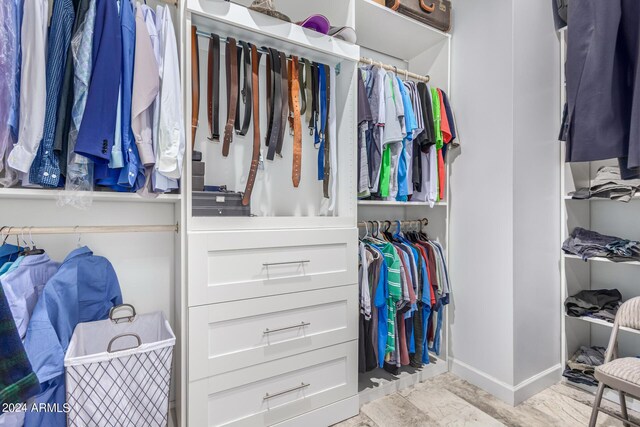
406 73
84 229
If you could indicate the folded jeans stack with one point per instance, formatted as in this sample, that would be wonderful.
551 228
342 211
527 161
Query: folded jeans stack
580 368
609 184
589 244
600 304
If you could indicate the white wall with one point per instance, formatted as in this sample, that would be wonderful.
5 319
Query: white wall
536 191
505 213
481 257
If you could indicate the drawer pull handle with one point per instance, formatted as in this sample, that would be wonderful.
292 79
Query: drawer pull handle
299 325
269 264
280 393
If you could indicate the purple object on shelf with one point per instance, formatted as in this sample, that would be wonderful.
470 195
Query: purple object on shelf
318 23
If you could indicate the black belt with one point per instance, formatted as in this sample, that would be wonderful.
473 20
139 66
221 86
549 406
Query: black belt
303 86
213 87
246 89
284 101
275 118
314 98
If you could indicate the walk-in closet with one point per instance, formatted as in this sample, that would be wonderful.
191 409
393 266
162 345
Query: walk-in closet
312 213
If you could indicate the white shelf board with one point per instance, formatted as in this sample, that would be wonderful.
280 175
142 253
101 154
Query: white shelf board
379 383
232 20
602 323
34 193
602 199
390 203
372 22
599 259
609 394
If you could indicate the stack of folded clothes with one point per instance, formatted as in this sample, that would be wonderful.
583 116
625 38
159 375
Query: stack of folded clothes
609 185
600 304
581 367
588 244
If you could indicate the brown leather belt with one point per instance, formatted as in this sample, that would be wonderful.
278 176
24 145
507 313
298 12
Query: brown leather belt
295 124
255 159
195 84
213 87
232 93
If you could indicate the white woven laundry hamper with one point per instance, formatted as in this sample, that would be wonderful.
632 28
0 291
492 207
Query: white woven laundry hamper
118 372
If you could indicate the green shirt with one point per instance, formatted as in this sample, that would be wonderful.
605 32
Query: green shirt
395 293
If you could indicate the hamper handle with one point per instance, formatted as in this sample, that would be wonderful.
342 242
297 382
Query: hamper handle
136 336
121 319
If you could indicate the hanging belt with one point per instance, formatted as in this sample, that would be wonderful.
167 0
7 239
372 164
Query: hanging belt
195 84
232 93
245 51
313 117
284 107
327 140
275 101
295 124
213 87
320 132
309 90
303 85
255 159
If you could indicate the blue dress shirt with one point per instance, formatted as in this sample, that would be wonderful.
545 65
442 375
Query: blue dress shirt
132 174
83 290
14 114
97 130
45 169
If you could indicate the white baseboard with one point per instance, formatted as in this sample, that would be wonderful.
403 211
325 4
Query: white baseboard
513 395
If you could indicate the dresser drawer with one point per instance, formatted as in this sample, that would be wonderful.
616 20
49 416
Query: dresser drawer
275 391
228 336
229 266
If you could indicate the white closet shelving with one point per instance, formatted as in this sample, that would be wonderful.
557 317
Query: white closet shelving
270 302
607 217
429 54
231 301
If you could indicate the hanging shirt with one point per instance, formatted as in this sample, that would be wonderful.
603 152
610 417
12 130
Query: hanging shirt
8 60
377 129
145 88
171 133
437 120
450 118
405 159
14 113
33 92
83 290
159 182
132 174
45 169
364 117
24 285
97 130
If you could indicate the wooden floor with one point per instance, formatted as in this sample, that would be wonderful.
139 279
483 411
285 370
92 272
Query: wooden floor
447 400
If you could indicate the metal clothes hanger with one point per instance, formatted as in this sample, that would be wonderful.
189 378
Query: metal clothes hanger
34 250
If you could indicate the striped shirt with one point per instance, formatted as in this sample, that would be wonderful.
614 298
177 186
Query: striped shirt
395 293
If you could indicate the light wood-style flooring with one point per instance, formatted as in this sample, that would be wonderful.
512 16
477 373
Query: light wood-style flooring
447 400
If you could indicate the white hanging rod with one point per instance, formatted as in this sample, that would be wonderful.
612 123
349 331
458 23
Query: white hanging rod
84 229
421 222
407 74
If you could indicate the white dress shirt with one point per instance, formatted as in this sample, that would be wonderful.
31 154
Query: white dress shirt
171 136
33 84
